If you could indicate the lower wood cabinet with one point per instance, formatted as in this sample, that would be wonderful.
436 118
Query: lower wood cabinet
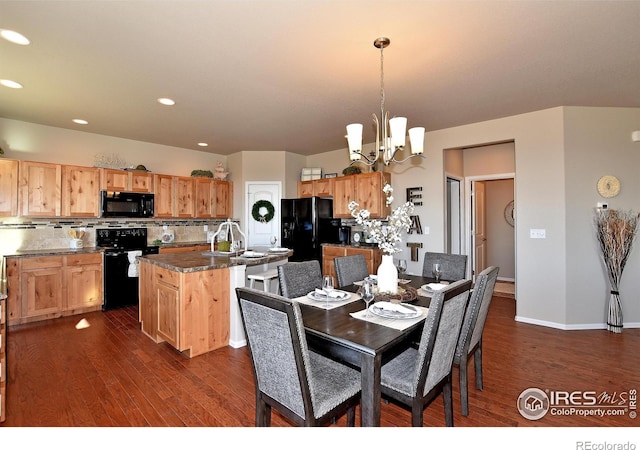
47 287
3 358
372 255
188 310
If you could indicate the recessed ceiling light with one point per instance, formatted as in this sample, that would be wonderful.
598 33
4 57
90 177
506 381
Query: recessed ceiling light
203 144
166 101
15 37
80 121
11 84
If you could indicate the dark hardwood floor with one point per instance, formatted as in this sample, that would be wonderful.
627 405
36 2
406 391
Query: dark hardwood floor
111 375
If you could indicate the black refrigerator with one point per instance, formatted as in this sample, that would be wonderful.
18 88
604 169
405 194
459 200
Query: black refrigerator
306 224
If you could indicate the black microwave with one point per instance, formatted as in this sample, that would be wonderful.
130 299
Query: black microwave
125 204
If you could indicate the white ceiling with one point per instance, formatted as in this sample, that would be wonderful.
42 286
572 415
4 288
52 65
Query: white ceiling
289 75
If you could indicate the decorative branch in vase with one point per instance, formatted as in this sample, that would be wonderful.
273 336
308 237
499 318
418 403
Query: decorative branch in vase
388 235
615 231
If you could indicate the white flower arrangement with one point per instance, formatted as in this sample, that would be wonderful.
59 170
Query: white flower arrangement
389 234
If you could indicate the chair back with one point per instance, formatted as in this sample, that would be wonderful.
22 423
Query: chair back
440 335
350 268
299 278
454 267
476 314
278 348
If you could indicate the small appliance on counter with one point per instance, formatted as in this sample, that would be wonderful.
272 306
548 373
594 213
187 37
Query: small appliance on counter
344 235
168 236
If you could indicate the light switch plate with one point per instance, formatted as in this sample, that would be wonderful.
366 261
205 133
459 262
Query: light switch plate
426 230
537 233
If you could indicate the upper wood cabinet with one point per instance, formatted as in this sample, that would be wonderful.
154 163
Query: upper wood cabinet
8 188
368 193
126 180
213 198
39 189
80 191
343 193
164 189
185 198
322 187
224 199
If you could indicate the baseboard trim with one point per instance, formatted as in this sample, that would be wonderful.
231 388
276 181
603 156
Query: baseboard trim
570 327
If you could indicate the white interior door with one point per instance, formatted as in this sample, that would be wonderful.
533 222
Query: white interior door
479 228
259 233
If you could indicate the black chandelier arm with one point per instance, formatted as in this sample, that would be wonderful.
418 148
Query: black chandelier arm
406 159
369 162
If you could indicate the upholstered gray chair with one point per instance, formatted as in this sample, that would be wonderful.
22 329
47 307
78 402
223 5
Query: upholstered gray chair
470 339
417 376
350 268
454 267
299 278
307 388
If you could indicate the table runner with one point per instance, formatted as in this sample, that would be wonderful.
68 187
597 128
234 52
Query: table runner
398 324
323 305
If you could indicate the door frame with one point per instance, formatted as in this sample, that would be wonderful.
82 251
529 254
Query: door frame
448 239
248 206
468 215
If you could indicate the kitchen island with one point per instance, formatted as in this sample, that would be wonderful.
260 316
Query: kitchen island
189 301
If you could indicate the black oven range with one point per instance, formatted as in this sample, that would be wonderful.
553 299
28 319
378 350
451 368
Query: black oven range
120 277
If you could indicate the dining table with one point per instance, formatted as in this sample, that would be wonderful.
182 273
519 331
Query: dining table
362 344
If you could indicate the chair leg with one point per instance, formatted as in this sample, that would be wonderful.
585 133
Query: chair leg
351 417
416 413
263 413
477 362
447 397
464 381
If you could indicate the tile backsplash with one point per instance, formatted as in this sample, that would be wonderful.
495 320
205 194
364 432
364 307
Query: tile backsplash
43 234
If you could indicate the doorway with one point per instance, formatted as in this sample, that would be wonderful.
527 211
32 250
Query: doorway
453 216
259 233
491 228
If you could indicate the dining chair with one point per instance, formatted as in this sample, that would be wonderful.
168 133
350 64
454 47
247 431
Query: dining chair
299 278
415 377
350 268
470 339
454 267
305 387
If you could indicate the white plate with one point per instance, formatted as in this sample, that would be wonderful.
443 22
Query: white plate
431 287
279 250
378 310
321 298
251 254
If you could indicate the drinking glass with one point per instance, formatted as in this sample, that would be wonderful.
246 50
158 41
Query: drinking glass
327 287
402 266
368 293
437 271
273 241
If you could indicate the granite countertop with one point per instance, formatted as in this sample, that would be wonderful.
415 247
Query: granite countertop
54 252
199 261
183 244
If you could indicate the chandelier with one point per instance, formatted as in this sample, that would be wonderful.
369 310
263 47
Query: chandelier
390 133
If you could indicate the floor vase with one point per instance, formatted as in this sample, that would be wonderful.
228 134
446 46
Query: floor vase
614 318
387 275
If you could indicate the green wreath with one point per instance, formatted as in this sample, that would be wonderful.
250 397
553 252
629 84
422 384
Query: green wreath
257 206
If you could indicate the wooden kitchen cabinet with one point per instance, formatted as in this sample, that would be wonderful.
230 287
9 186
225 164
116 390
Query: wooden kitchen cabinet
184 199
80 191
8 187
364 188
83 282
322 187
184 249
188 310
213 198
47 287
126 180
39 189
372 255
164 189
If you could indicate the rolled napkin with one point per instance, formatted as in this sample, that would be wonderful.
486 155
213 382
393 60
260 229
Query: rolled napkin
332 294
395 307
436 286
132 270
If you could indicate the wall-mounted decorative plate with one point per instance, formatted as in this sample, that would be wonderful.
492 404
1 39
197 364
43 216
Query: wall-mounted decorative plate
608 186
509 214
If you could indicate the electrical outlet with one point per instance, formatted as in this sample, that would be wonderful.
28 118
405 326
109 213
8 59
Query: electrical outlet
205 227
537 233
426 230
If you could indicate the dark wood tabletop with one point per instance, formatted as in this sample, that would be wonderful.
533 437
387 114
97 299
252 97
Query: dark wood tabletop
360 343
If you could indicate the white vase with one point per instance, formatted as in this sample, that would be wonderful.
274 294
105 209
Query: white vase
387 275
